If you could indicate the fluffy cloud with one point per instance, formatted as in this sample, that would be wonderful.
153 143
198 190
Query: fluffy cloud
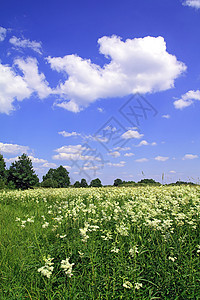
145 143
35 81
114 154
69 134
166 116
129 154
13 148
141 160
15 87
187 99
136 65
25 43
36 160
122 148
10 160
131 134
190 156
192 3
161 158
49 165
12 87
118 165
2 34
74 152
67 167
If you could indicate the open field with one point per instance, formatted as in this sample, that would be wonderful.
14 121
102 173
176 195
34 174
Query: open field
100 243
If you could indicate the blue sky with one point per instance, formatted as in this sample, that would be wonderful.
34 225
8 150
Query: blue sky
108 89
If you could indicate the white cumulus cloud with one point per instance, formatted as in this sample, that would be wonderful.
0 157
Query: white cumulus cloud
37 160
26 43
166 116
131 134
192 3
36 81
187 99
2 33
69 134
49 165
136 65
118 165
12 87
141 160
129 154
114 154
190 156
161 158
13 148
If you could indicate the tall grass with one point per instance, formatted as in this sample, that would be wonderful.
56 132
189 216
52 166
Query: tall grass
112 243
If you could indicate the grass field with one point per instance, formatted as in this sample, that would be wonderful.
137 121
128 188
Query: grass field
100 243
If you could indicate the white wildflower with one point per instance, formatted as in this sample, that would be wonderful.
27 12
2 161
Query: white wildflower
172 258
115 250
127 284
63 236
133 250
65 264
30 220
138 285
47 269
46 224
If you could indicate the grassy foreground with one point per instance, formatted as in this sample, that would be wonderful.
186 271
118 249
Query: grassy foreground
100 243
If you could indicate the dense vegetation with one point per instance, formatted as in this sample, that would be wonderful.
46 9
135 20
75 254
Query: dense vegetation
100 243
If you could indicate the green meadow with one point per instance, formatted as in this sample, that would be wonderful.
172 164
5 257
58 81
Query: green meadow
100 243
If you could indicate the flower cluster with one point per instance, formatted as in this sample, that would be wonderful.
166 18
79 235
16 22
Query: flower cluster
47 269
65 264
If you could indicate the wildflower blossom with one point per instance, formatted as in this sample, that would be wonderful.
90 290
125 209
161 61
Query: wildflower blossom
138 285
133 250
46 224
172 258
65 264
63 236
127 284
47 269
115 250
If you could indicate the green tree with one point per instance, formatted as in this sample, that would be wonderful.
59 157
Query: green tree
2 168
60 175
77 184
117 182
96 183
49 183
148 181
3 172
84 183
21 173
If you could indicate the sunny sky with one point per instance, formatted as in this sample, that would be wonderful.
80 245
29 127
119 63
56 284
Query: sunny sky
108 89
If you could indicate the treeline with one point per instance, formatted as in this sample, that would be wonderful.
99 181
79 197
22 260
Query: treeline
21 175
143 182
